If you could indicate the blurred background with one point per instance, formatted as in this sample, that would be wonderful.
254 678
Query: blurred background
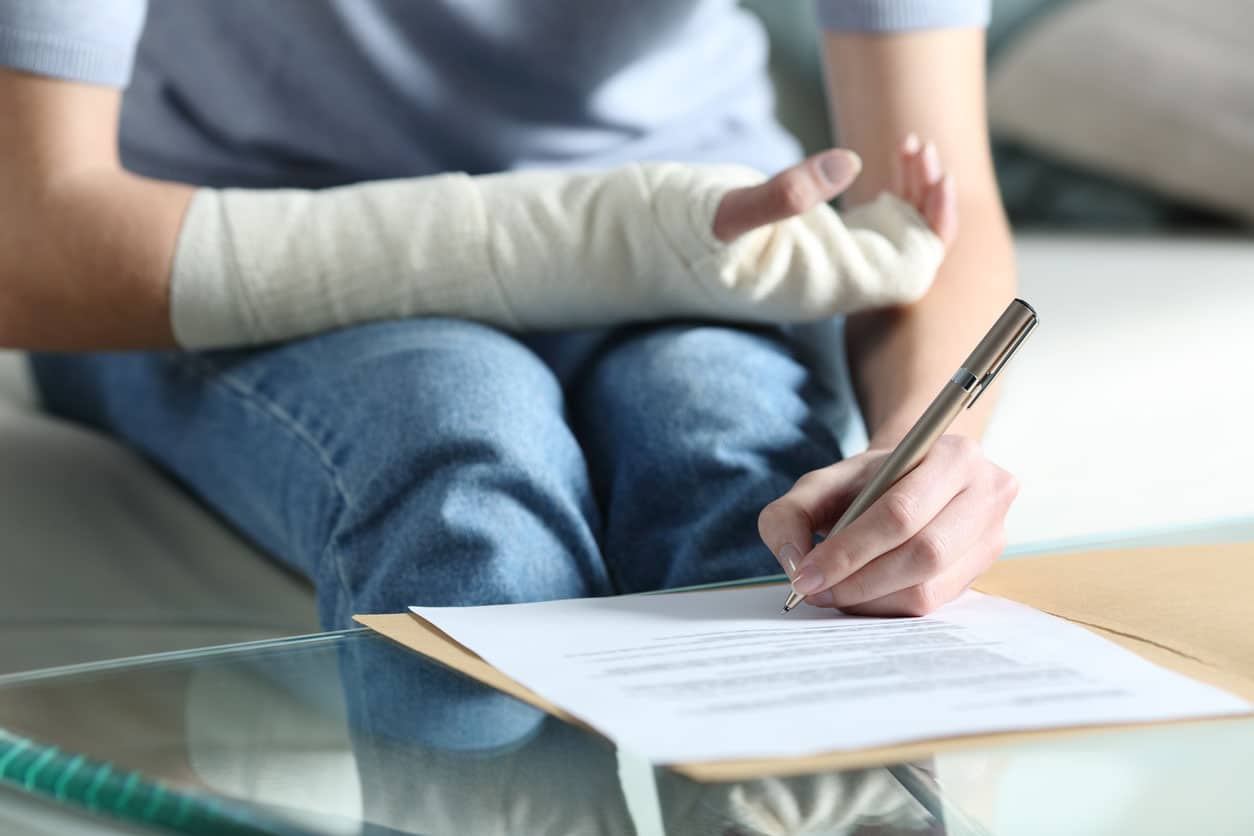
1118 115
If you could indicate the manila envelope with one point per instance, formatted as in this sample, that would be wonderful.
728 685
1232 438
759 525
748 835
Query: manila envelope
1186 608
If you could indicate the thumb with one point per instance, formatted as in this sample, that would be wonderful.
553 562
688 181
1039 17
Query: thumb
792 192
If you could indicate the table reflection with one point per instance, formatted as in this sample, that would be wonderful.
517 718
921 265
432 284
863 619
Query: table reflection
440 753
352 734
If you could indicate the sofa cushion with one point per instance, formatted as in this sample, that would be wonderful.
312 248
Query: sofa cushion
1151 91
15 383
102 556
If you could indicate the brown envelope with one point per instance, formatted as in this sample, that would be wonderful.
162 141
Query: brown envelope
1187 608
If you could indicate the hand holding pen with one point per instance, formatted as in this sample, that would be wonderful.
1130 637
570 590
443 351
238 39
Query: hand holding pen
912 537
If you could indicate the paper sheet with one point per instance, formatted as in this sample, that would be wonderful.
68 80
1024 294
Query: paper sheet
714 675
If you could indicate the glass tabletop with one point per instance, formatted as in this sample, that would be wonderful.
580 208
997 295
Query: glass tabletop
347 733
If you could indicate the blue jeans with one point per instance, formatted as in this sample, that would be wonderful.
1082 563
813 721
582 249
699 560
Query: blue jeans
436 461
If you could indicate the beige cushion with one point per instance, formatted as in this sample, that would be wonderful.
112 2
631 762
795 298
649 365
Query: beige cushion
1156 91
101 556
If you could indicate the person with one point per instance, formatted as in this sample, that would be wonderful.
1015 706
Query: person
441 460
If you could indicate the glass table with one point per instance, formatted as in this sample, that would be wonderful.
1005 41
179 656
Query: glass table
347 733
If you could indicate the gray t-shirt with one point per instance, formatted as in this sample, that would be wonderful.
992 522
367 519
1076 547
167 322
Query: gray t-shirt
323 92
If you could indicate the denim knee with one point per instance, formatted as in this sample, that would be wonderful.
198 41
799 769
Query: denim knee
468 484
420 461
690 429
693 393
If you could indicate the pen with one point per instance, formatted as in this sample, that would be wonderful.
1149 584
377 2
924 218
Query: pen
959 392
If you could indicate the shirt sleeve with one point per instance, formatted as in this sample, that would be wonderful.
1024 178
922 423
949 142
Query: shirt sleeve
900 15
91 41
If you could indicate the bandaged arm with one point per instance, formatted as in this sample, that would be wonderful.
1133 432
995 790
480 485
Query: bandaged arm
529 251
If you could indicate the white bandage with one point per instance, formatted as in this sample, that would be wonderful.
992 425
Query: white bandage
529 250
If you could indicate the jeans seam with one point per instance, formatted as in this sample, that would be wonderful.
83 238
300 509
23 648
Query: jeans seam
252 397
343 595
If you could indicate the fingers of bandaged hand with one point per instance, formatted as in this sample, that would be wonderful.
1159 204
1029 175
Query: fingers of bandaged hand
920 545
921 181
792 192
776 251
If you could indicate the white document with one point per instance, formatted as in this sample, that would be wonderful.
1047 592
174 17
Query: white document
715 675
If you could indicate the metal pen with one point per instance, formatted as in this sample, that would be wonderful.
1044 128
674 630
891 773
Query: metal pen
960 392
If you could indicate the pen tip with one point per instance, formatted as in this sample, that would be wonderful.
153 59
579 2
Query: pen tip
784 609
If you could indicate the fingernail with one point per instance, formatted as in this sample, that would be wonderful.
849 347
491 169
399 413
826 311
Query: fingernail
823 599
789 558
911 145
931 162
808 581
839 166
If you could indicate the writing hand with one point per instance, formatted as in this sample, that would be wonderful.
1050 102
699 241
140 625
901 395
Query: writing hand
919 546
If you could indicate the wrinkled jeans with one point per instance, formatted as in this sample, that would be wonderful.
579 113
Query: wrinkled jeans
440 462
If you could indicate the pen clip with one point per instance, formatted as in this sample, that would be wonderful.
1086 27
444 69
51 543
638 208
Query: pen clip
992 373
